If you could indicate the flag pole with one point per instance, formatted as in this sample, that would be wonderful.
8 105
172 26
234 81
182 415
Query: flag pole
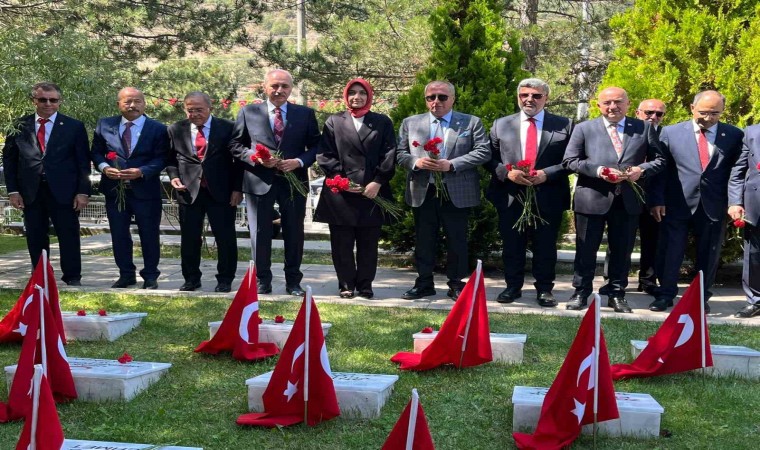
40 291
412 420
702 318
36 383
595 366
307 302
478 270
250 273
45 274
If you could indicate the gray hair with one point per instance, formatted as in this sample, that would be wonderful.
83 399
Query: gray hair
200 94
535 83
46 86
450 86
699 96
273 71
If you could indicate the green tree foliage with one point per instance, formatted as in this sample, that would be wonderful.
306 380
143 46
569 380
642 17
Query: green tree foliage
472 50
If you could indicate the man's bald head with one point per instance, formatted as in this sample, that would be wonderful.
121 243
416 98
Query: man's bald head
651 110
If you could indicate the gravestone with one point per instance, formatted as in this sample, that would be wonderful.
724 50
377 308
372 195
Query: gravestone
269 331
728 360
75 444
640 414
506 348
360 395
106 379
94 327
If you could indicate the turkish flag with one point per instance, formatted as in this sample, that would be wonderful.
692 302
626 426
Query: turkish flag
294 389
16 319
239 331
569 403
417 433
678 344
55 363
42 421
450 346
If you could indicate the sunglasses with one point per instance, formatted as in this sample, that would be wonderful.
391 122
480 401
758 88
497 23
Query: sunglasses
656 113
525 95
440 97
47 100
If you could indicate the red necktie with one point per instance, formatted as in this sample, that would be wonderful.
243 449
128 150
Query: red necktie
200 144
617 144
41 133
126 138
531 142
704 155
279 125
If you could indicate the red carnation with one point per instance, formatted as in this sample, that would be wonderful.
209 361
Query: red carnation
102 312
415 144
509 167
279 319
125 358
533 173
739 223
262 153
427 330
338 184
524 164
605 171
758 166
612 177
81 312
111 156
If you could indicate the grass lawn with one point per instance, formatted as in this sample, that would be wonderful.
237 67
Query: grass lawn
197 402
11 243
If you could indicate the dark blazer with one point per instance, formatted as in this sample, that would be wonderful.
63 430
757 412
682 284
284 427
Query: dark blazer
222 172
590 148
363 156
149 155
300 140
506 148
745 177
66 162
683 185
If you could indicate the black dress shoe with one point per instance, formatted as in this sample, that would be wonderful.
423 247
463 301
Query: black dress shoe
222 286
417 292
509 295
265 288
604 290
74 283
748 311
546 299
366 294
190 286
661 304
124 282
619 304
647 287
295 290
150 284
347 294
577 302
453 293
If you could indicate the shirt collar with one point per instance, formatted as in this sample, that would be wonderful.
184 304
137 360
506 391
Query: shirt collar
207 124
619 124
137 122
446 117
271 107
713 129
51 118
539 117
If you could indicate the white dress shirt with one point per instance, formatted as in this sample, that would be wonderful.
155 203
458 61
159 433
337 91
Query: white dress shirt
711 133
358 121
48 125
194 133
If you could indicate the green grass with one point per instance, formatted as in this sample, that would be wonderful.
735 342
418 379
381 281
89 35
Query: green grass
10 243
197 402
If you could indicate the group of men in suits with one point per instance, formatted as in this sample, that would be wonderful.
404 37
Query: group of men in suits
685 170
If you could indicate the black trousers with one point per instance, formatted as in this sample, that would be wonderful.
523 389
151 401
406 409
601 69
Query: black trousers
543 240
221 218
649 234
428 219
147 213
358 273
621 235
751 269
37 217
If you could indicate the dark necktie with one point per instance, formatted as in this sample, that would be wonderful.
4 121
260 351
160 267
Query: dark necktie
126 138
200 144
531 142
279 125
704 155
41 133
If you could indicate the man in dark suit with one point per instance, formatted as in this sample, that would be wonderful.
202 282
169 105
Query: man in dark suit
607 153
47 170
291 131
130 150
692 193
745 204
463 147
208 182
541 137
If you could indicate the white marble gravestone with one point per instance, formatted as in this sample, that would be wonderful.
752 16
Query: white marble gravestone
75 444
93 327
269 331
639 413
728 360
106 379
506 348
360 395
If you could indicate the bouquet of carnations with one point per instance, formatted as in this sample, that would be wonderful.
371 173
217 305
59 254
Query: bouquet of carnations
339 184
530 216
295 183
638 190
431 147
121 195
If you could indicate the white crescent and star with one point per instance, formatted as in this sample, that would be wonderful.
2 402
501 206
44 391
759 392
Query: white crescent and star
245 318
21 325
688 329
587 364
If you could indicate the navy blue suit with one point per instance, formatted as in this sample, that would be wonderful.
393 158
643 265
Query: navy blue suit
143 195
693 199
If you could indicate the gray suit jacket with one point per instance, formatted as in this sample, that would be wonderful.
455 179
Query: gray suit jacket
466 148
745 177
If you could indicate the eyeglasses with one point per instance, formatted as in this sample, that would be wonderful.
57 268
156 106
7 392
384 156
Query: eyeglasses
656 113
47 100
524 95
440 97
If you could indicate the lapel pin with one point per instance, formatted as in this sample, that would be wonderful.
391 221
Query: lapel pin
369 125
60 123
723 134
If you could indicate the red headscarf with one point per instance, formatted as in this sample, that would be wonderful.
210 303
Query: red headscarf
358 112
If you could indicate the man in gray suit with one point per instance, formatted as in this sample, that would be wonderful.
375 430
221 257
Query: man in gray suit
539 136
463 148
745 204
607 153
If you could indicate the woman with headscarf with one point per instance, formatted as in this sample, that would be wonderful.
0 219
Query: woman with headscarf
360 145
